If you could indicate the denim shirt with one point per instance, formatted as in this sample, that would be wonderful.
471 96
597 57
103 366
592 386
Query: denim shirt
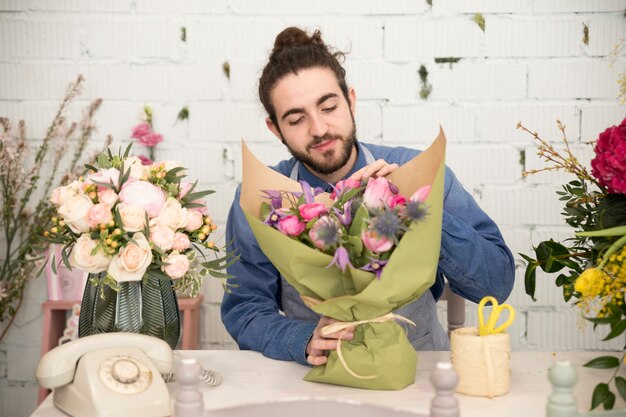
474 259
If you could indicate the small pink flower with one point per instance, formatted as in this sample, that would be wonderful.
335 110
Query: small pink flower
311 210
377 193
375 243
99 214
145 160
141 130
421 194
181 242
291 226
151 139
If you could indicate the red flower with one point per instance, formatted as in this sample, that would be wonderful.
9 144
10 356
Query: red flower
609 165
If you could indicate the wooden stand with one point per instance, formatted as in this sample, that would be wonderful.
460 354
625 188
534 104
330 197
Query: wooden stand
54 321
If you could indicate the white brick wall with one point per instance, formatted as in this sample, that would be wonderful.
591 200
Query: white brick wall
530 64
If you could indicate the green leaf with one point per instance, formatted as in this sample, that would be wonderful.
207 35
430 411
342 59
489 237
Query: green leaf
609 401
603 362
198 194
529 280
620 384
359 221
616 330
127 151
103 161
546 255
600 394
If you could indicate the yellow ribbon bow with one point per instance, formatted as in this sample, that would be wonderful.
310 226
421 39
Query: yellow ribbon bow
490 327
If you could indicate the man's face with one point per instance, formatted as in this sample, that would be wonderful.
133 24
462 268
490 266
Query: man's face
315 121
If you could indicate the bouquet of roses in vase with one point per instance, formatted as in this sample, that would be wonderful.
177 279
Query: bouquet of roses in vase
355 255
141 233
594 259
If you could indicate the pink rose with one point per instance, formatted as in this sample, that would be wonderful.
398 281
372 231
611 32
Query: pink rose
132 260
194 220
311 210
609 164
145 195
145 161
107 196
133 217
162 236
375 243
181 242
61 194
397 200
74 211
141 130
377 193
99 214
176 265
291 226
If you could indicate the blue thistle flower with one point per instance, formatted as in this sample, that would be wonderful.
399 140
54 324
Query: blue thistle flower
415 211
325 233
387 224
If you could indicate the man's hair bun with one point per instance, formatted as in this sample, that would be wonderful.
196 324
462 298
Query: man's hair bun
294 37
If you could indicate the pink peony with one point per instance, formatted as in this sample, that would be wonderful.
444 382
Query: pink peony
194 221
311 210
162 237
375 243
609 165
107 196
377 193
145 195
291 226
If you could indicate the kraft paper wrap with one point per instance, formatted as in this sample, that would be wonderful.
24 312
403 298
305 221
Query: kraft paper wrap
380 349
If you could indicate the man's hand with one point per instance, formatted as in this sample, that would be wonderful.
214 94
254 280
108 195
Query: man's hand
379 168
318 345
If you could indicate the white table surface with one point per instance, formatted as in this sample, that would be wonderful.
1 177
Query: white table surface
249 377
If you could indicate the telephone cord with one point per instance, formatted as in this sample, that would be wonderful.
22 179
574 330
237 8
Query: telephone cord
211 378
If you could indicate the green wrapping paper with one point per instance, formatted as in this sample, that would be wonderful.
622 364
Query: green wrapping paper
379 351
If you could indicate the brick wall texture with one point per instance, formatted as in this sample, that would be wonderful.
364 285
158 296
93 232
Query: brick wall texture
531 62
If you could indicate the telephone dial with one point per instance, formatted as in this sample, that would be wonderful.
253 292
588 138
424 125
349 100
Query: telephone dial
109 374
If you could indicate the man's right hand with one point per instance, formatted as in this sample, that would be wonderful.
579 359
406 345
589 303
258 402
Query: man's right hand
318 346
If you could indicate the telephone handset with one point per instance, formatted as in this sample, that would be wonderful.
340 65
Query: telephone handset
109 374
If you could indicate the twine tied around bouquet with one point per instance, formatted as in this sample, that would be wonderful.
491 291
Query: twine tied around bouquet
343 327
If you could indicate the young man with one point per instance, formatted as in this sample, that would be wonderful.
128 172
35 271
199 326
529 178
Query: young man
311 110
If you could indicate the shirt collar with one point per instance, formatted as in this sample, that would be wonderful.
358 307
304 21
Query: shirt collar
306 175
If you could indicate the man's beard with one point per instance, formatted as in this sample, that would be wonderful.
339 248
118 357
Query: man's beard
332 162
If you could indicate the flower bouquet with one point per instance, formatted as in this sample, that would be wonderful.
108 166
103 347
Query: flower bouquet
136 229
594 259
343 266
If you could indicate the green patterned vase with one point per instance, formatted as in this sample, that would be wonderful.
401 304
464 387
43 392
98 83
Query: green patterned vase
148 306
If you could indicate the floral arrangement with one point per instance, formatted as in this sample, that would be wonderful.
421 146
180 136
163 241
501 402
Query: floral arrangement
125 218
28 175
360 229
594 259
356 255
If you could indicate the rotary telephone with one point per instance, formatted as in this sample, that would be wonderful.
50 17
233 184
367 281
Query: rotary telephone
109 374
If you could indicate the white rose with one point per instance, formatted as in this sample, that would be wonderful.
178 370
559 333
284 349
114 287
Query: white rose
137 169
74 212
132 261
172 215
133 217
61 194
82 258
